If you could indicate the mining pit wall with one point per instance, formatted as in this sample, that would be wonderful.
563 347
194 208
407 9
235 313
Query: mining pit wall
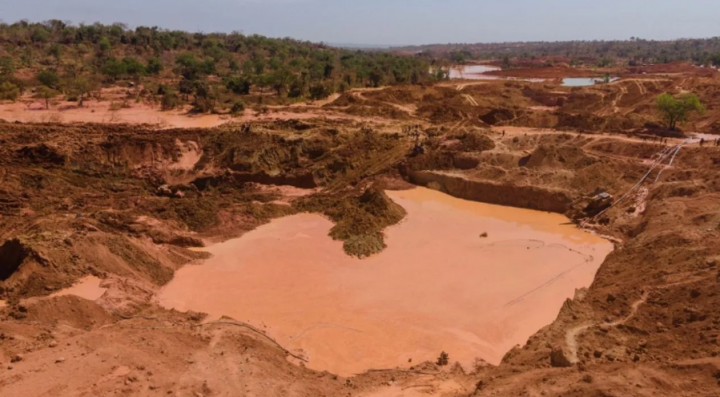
531 197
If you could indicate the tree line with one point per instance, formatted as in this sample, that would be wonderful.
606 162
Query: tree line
198 68
631 52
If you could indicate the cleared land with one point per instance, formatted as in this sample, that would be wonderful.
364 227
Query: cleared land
132 203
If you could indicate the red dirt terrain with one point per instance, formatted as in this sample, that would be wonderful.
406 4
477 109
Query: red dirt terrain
130 204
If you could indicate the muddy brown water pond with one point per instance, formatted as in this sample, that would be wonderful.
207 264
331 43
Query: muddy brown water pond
439 286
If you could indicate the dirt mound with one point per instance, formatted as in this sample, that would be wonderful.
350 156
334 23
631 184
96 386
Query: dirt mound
441 114
565 157
408 95
476 142
69 310
497 116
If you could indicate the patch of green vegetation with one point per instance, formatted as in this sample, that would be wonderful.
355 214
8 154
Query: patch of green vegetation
78 59
359 221
365 245
677 110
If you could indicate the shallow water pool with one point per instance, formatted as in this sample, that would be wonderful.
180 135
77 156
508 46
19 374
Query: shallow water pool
440 285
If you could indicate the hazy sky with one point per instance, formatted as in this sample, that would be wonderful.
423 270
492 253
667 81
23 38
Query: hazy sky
396 21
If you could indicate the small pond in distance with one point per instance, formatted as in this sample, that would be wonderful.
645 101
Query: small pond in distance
583 81
473 72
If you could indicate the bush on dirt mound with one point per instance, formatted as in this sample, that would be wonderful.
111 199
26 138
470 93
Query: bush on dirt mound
359 221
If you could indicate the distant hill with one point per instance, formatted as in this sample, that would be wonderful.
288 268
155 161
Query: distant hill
175 67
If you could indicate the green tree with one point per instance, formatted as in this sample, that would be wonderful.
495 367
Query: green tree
113 68
377 78
56 52
238 107
233 65
170 99
104 45
48 78
297 88
154 66
9 91
238 84
319 91
677 110
40 35
133 67
46 93
7 67
188 66
441 74
506 62
208 66
205 97
80 87
280 79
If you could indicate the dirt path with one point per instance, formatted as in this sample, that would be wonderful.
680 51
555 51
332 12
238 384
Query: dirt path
641 87
470 99
618 97
571 336
409 109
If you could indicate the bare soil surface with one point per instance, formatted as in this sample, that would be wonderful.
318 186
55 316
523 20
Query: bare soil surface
132 204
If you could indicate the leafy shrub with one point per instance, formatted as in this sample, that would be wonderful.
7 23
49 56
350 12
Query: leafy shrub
319 91
170 100
9 91
48 78
238 107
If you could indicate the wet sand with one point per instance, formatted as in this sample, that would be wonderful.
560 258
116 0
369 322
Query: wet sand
438 286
